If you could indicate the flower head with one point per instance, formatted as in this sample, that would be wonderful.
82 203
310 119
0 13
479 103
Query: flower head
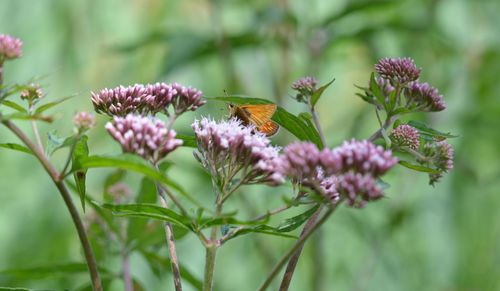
83 121
358 156
424 97
10 47
305 86
32 93
186 98
384 85
227 148
359 188
398 70
441 154
146 99
301 161
406 135
143 136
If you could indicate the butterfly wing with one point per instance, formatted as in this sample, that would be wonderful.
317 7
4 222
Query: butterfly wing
269 128
259 114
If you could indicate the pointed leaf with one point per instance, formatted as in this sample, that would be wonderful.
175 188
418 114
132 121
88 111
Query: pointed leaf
418 168
16 147
136 164
293 223
14 106
49 105
315 97
150 211
430 133
80 151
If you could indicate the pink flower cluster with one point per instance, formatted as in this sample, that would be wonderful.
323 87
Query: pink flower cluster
84 121
143 136
441 154
229 148
305 84
10 47
398 70
406 135
147 99
424 97
349 171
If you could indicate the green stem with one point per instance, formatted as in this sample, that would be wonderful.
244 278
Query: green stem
54 175
211 252
298 244
316 122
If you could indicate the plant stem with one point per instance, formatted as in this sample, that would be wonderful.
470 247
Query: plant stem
127 278
316 123
292 264
169 234
37 135
54 175
388 122
298 244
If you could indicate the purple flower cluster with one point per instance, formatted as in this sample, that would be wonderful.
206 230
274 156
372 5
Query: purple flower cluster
227 148
305 84
441 154
84 121
147 99
399 70
384 85
406 135
349 171
144 136
10 47
31 93
424 97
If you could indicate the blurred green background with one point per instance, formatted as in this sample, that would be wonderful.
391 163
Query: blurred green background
419 238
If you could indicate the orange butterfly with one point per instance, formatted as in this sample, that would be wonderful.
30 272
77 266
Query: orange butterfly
258 115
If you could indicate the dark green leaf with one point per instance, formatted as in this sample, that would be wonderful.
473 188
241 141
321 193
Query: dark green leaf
49 105
16 147
14 106
136 164
359 6
264 229
293 223
430 133
229 220
150 211
292 123
375 90
80 151
187 140
418 168
317 94
147 194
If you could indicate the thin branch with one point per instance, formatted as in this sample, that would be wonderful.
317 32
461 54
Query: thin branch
316 122
388 122
298 244
54 175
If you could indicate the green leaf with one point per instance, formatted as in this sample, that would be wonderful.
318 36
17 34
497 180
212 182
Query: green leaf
430 133
375 90
80 151
230 220
49 271
14 289
14 106
16 147
263 229
56 142
49 105
150 211
136 164
317 94
290 122
187 140
147 194
418 168
293 223
162 263
27 116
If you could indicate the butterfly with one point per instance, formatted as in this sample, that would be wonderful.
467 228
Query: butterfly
258 115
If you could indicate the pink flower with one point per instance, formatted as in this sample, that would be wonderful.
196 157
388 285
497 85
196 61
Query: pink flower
441 154
10 47
406 135
143 136
147 99
424 97
84 121
398 70
228 148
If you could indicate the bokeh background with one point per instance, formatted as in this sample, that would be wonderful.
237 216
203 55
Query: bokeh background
419 238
